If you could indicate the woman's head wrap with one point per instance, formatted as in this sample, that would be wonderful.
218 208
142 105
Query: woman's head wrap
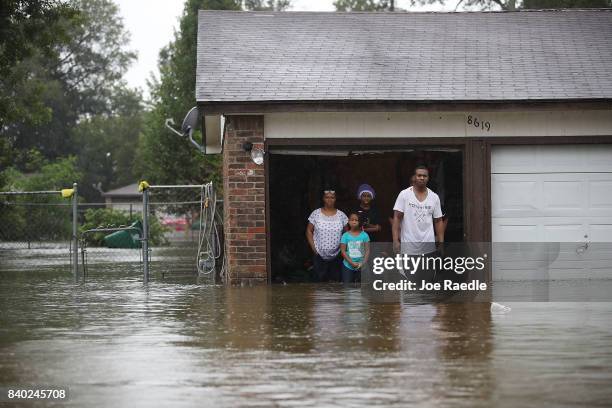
365 188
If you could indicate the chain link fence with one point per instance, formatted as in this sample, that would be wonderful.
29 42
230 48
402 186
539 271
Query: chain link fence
36 229
98 252
176 224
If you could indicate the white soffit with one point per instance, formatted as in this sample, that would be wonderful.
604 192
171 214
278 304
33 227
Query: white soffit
315 125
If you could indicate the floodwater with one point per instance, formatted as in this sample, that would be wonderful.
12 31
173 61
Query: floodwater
180 343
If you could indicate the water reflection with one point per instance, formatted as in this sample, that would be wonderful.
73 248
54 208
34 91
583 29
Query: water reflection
465 347
117 343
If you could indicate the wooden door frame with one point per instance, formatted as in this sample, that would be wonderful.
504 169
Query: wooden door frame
306 143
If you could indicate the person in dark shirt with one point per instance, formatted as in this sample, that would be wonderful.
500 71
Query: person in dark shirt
368 214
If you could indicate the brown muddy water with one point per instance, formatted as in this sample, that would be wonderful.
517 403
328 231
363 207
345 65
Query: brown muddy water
180 343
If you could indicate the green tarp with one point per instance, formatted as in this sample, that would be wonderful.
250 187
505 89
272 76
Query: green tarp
125 238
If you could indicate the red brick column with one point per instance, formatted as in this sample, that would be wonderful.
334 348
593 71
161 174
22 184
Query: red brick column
244 202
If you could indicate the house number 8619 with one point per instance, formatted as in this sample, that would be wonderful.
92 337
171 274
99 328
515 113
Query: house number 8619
480 124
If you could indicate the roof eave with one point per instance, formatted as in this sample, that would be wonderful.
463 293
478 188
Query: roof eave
235 107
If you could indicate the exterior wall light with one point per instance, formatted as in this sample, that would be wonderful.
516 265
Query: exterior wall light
257 154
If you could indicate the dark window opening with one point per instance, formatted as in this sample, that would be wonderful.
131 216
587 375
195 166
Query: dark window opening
297 178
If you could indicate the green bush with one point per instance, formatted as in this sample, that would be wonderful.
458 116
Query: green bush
109 218
38 218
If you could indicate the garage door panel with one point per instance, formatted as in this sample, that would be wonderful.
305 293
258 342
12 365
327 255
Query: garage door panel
551 229
513 231
561 270
600 232
514 195
545 253
538 229
563 232
512 159
599 193
552 159
551 261
575 254
564 195
516 274
555 194
580 273
604 272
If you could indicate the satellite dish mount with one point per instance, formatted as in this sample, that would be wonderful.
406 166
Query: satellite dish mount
189 124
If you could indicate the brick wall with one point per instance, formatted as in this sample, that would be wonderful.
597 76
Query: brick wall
244 202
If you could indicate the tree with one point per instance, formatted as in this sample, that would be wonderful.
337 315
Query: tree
6 153
485 4
555 4
73 77
267 5
29 30
163 157
93 62
362 5
51 176
49 218
509 5
63 92
107 146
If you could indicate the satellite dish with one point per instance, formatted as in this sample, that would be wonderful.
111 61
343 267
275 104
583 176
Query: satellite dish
189 124
191 120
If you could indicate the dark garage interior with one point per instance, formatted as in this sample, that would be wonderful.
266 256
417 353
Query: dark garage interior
297 177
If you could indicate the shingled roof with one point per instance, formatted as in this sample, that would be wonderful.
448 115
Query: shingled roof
418 57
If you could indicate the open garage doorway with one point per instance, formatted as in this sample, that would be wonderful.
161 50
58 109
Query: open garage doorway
298 175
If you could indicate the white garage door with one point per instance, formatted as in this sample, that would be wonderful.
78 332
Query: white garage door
552 194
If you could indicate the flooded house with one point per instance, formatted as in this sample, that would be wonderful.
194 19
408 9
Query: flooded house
126 198
510 111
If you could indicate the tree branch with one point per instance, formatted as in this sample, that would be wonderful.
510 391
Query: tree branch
501 4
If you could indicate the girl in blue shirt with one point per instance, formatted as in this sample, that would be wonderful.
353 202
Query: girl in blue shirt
355 249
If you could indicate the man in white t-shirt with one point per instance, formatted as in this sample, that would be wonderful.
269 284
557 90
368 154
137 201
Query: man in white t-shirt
415 213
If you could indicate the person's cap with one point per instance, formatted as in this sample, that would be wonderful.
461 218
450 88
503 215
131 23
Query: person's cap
365 188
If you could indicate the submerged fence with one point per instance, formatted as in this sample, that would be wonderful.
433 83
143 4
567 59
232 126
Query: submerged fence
171 230
39 222
192 213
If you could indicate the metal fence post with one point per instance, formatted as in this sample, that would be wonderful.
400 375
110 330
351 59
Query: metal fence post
145 233
75 241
